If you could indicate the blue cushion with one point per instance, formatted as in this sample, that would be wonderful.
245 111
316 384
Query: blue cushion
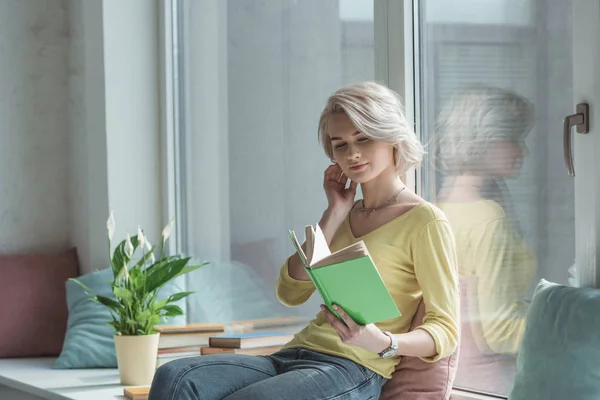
560 350
230 291
89 340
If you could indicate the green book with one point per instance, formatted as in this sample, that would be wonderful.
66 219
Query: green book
347 277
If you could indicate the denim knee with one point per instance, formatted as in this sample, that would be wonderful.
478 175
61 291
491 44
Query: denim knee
165 379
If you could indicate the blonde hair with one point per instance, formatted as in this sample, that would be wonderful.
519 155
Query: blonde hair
377 112
472 120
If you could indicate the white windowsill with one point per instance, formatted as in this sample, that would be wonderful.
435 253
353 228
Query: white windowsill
462 395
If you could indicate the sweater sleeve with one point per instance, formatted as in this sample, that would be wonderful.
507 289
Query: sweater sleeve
292 292
436 270
504 268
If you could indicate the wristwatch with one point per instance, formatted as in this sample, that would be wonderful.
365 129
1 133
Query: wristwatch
392 350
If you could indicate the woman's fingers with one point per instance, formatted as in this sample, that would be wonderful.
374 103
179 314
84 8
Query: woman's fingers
332 172
339 326
349 322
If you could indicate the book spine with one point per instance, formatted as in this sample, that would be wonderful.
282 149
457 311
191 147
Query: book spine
321 290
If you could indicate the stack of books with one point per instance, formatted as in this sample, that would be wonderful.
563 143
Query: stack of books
259 343
294 324
253 337
180 341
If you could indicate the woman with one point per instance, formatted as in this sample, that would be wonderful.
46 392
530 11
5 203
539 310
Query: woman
480 143
365 134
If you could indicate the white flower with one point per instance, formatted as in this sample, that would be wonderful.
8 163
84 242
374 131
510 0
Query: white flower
152 259
128 247
124 274
166 232
148 245
110 225
140 237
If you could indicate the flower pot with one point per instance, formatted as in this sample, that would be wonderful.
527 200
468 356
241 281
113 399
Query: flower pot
136 358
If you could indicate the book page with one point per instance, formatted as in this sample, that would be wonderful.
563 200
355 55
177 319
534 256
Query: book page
356 250
298 247
320 249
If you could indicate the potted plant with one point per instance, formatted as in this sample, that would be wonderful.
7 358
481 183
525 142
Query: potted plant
138 276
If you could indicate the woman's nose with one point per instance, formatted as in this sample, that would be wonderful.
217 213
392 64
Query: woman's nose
353 152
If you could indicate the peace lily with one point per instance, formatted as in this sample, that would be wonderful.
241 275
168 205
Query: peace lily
128 247
110 225
166 232
123 275
136 282
140 237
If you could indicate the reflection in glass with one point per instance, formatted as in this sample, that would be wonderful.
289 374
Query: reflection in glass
492 76
479 143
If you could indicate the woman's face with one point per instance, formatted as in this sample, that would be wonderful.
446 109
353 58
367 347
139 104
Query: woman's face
504 158
360 158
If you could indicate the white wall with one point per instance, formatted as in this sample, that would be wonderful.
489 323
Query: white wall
80 134
34 127
34 130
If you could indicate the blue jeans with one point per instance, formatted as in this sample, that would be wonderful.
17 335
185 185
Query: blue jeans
291 374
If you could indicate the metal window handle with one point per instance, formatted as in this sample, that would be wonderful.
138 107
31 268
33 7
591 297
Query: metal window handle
581 120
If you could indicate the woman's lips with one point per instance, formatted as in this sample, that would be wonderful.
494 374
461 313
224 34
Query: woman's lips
358 167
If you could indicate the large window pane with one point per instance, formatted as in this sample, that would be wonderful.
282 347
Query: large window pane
496 82
254 78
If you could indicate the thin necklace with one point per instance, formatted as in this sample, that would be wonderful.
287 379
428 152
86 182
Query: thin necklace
387 203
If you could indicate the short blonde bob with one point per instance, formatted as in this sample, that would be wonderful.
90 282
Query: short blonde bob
377 112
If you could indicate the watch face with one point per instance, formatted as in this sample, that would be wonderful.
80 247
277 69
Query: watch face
388 354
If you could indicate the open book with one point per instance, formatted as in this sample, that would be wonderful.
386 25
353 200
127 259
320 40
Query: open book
347 277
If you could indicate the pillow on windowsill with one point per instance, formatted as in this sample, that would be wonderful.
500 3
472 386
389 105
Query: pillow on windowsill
88 342
415 379
32 309
559 353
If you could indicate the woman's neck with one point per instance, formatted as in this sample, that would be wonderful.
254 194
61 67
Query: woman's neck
462 188
381 189
469 181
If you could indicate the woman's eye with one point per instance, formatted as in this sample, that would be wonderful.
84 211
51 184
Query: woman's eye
340 145
363 139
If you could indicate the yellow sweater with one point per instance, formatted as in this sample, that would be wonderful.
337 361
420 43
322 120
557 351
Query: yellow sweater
415 255
490 250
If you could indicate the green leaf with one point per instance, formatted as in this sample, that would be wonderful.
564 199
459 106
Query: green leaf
190 268
119 257
160 304
172 310
155 319
163 273
144 315
123 294
108 302
178 296
145 257
86 288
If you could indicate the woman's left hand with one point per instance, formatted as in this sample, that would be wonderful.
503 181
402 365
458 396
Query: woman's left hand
369 337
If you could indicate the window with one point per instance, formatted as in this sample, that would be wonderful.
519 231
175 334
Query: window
488 83
495 79
253 80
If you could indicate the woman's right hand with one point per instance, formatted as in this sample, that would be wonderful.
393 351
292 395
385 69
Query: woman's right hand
339 198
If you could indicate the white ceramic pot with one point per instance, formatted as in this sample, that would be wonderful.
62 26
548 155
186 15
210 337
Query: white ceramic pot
136 358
